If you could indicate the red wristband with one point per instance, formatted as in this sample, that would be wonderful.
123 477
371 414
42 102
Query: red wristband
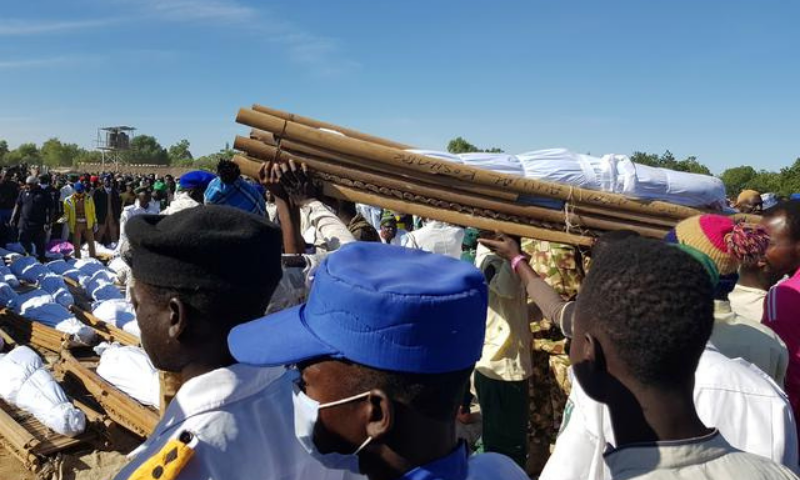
515 261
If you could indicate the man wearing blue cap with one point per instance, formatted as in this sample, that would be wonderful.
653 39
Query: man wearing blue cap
384 360
191 188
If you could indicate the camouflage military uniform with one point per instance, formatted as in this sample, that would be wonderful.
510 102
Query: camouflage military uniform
561 267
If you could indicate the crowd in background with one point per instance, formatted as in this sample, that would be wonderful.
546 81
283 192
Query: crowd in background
683 352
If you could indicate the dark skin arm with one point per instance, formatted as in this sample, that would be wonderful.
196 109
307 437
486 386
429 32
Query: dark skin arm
289 216
548 300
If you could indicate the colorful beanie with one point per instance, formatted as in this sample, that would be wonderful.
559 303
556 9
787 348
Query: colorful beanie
708 234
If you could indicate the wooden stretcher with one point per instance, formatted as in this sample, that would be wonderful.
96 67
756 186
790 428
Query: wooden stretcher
30 441
362 168
80 365
33 333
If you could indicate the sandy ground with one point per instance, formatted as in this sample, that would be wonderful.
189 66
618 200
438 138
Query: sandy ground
87 466
11 468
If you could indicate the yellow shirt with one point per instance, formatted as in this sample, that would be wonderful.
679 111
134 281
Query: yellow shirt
507 347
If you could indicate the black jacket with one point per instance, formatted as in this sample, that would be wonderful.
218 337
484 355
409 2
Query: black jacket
34 209
101 204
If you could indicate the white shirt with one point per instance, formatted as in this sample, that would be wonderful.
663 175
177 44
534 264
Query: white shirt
322 228
66 191
181 202
243 420
437 237
735 397
129 212
709 457
736 337
748 302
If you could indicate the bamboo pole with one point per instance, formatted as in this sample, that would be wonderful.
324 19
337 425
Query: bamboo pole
250 167
20 441
391 156
310 122
456 218
169 383
268 152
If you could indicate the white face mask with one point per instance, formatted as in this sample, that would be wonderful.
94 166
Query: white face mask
306 413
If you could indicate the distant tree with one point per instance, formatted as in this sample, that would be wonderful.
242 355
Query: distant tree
3 151
25 153
668 160
736 179
179 152
147 151
691 165
649 159
460 145
56 154
209 162
790 179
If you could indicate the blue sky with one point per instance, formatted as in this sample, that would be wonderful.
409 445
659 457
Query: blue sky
719 80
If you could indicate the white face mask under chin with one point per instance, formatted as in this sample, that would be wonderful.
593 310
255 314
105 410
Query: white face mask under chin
306 414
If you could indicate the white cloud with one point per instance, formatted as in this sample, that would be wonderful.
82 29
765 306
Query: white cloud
39 62
194 10
37 27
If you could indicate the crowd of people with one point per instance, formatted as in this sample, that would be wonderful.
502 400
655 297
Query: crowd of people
318 338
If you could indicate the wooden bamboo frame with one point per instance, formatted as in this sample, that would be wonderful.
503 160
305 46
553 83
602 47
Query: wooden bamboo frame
349 177
260 148
420 163
31 332
119 407
456 218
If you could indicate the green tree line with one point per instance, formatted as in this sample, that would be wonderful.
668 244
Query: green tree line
144 150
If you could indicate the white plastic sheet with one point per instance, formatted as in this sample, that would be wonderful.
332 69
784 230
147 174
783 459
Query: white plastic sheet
130 370
27 384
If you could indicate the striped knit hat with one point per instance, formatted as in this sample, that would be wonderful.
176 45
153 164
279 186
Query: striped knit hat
708 234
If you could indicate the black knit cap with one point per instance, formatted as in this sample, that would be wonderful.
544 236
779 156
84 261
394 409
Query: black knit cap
208 247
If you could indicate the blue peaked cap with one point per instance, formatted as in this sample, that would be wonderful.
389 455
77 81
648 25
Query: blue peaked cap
382 306
195 179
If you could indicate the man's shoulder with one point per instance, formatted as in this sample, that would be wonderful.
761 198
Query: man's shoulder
718 373
738 464
494 466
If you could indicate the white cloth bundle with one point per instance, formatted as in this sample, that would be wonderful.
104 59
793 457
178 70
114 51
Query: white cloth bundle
118 312
100 286
122 270
15 248
8 297
496 162
610 173
9 277
27 384
43 308
89 266
130 370
64 268
55 286
28 269
99 249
